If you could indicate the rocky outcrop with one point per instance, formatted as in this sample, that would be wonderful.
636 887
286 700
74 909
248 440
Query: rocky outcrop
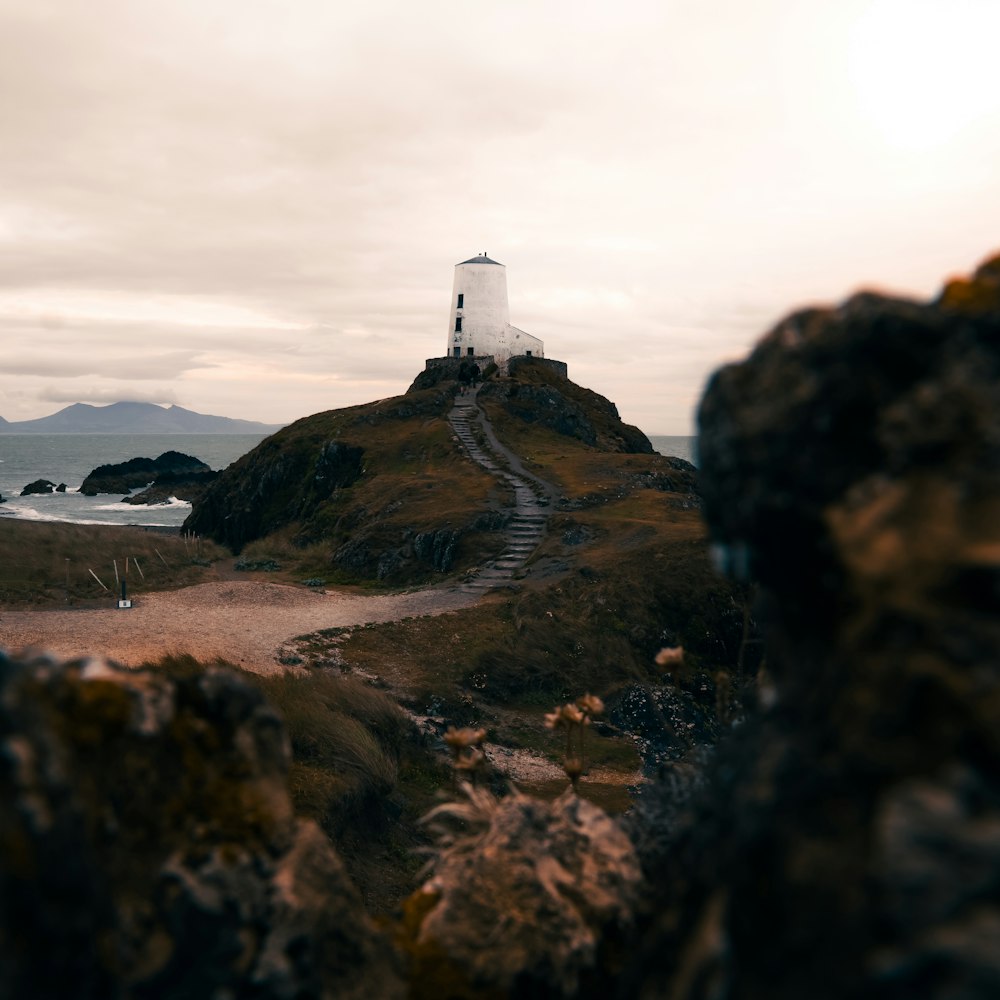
149 847
442 371
271 487
171 486
123 477
358 480
39 487
542 397
846 842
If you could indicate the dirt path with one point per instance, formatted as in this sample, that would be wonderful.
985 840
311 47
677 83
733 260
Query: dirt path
245 623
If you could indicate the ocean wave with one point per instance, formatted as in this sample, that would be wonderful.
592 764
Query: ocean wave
34 514
53 508
29 514
169 502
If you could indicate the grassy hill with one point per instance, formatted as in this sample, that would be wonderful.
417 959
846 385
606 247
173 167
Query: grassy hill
381 494
367 494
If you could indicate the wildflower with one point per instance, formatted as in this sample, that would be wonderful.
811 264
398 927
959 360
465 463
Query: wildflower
670 656
590 705
460 739
571 715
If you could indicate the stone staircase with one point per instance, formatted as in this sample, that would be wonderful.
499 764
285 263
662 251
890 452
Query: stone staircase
526 527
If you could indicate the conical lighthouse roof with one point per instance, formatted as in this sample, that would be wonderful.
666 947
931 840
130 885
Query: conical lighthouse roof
481 259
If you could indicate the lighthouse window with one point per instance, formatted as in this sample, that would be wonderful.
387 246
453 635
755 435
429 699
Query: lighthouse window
461 299
458 324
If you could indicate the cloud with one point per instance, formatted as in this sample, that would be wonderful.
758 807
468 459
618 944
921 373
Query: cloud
152 368
98 395
258 206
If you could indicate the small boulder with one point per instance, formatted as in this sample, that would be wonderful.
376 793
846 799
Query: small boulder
39 486
172 486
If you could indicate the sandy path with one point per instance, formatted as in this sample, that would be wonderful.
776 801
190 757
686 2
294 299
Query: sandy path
242 622
246 623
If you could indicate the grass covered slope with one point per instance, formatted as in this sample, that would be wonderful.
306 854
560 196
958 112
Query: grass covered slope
538 396
48 562
384 493
372 492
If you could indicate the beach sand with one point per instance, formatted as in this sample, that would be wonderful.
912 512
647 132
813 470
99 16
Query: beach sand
243 622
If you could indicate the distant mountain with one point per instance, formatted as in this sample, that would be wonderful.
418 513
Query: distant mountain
133 418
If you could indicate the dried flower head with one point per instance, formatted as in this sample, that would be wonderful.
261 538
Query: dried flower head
572 716
670 656
460 739
590 704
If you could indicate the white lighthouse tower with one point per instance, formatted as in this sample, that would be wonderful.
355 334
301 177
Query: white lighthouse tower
479 323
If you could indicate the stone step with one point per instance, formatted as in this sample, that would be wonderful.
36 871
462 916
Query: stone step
526 528
488 581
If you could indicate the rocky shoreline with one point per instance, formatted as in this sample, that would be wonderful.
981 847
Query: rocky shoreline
171 476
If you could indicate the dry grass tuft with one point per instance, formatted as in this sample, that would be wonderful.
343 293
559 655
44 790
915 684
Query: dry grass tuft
51 562
358 769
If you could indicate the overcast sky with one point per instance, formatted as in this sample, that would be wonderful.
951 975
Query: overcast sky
253 208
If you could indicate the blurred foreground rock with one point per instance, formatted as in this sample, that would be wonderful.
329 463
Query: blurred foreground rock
148 846
848 841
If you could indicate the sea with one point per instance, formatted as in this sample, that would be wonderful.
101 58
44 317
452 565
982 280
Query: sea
70 458
675 447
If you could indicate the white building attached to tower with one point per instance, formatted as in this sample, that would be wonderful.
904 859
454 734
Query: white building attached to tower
479 324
